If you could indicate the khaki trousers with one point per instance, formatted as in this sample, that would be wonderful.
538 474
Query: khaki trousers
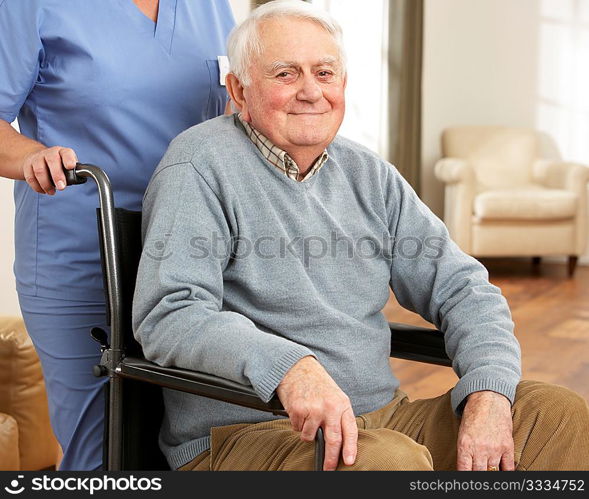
550 430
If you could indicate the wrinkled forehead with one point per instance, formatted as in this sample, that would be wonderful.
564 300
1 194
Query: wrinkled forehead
297 41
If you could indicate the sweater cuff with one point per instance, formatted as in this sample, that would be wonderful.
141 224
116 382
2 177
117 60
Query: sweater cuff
465 387
268 384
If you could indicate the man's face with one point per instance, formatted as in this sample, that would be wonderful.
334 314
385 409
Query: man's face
296 95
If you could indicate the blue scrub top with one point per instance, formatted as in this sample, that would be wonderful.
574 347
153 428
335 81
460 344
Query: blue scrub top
102 78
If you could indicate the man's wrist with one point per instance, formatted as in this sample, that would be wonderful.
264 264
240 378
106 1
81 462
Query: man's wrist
300 367
486 394
303 363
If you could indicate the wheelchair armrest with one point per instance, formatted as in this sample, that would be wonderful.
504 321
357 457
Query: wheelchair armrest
418 343
407 342
205 385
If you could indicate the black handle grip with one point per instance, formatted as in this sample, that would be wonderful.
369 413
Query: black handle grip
319 449
72 178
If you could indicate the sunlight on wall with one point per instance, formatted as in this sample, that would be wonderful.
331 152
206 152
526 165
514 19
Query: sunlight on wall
563 79
365 41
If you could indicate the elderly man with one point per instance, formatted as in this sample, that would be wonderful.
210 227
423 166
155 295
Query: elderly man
253 270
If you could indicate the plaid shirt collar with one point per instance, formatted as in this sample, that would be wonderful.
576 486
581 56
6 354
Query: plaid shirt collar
279 158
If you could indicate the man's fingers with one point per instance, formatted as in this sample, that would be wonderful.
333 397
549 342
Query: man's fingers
464 461
297 421
333 445
508 461
309 394
67 159
32 181
309 429
53 160
480 463
41 172
55 163
350 436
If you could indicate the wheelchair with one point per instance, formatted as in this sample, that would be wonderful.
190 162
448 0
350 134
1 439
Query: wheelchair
133 396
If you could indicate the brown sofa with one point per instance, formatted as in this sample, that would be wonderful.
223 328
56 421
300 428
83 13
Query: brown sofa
26 439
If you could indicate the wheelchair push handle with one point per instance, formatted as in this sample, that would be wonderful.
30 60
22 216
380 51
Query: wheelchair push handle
72 177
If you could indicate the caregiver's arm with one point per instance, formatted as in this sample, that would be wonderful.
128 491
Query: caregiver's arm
22 158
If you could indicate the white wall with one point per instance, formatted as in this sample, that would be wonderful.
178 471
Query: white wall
8 301
480 67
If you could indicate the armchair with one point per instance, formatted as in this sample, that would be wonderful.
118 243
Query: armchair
501 199
26 439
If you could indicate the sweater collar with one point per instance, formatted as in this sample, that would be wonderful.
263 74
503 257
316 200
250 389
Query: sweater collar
279 158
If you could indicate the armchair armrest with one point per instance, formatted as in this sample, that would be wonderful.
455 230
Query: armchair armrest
561 175
454 170
460 191
572 177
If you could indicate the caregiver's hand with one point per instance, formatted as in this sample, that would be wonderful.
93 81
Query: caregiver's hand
42 169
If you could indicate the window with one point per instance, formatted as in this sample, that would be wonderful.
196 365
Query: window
366 45
563 76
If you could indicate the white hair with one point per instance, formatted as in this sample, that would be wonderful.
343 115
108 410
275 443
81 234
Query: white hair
244 41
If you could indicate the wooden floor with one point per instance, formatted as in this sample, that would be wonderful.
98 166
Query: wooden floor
551 316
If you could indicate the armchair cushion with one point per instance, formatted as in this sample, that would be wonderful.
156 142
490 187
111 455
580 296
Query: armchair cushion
530 203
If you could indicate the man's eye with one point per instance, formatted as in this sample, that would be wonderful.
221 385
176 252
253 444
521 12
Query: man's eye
284 74
325 74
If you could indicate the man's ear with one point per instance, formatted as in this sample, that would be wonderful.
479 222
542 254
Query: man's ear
235 90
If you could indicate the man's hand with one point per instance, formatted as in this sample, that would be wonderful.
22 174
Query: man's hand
485 437
312 399
43 171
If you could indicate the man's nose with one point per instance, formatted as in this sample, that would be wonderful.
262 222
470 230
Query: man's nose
309 90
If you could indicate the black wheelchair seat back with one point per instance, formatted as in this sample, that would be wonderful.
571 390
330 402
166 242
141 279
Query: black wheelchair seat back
144 407
128 225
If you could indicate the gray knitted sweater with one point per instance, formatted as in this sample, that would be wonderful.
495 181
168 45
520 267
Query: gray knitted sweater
245 271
